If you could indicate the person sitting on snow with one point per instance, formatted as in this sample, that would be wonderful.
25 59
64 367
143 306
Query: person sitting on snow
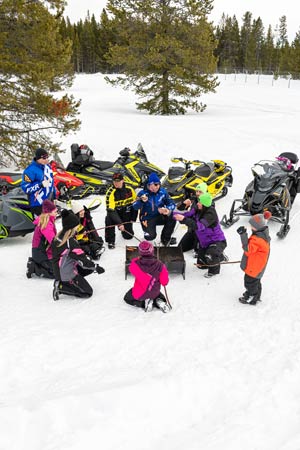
150 273
70 264
87 235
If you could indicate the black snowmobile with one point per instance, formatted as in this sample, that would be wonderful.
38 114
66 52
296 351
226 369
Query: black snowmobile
274 188
15 215
134 166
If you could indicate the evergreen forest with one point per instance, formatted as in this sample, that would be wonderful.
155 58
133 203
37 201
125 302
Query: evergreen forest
249 46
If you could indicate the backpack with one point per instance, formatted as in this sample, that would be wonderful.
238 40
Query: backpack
67 265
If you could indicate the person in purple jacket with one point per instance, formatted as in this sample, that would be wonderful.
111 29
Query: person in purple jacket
40 264
150 273
203 220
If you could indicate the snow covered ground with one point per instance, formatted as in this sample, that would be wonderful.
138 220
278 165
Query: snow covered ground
213 374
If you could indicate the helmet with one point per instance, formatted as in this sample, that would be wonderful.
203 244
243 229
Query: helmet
85 150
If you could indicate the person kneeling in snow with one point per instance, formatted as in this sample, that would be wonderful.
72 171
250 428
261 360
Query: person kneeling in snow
40 263
86 235
255 257
150 274
70 263
203 220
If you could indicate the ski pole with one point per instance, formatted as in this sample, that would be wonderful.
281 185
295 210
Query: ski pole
167 298
108 226
132 235
213 265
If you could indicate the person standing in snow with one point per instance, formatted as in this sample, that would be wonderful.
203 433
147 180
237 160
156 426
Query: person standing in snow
40 263
119 199
204 222
156 208
87 236
38 182
150 274
70 264
255 257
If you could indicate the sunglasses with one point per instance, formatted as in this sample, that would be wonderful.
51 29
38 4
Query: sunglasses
46 156
154 184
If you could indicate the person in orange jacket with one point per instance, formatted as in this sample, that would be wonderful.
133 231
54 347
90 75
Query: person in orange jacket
255 257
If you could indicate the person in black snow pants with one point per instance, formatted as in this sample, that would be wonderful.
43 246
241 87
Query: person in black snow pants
150 273
119 199
70 264
87 235
203 221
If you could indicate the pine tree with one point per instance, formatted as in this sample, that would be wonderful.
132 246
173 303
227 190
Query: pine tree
295 56
228 37
165 49
245 40
268 51
34 64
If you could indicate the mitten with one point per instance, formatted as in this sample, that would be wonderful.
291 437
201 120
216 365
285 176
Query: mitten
241 230
99 269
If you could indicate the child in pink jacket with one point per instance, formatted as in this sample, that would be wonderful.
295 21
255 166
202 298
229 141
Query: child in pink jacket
150 274
40 264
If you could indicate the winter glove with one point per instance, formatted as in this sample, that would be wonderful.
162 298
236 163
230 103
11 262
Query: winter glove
46 183
241 230
144 198
99 269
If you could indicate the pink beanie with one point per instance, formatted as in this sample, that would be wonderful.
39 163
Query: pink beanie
146 249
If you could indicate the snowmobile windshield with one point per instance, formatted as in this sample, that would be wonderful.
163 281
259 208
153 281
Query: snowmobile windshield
267 175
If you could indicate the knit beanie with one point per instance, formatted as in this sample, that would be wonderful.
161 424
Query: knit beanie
76 207
40 153
205 199
118 176
259 221
69 220
48 207
202 187
153 178
146 248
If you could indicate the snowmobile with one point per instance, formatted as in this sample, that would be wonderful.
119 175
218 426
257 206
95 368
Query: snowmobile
67 185
181 182
135 167
15 216
273 188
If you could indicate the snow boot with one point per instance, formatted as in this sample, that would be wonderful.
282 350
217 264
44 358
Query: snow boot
111 245
30 268
162 305
210 275
148 305
56 291
249 300
167 243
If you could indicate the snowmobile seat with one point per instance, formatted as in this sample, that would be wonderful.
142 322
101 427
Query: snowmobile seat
205 170
176 172
291 156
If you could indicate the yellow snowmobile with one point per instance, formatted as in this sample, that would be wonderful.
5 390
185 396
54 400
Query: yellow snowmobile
181 182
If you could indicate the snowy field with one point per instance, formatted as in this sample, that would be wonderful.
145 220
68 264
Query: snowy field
213 374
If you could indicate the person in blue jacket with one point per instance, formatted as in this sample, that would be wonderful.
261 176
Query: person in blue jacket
156 208
38 182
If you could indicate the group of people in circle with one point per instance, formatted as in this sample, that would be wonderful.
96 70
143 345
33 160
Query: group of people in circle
69 255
